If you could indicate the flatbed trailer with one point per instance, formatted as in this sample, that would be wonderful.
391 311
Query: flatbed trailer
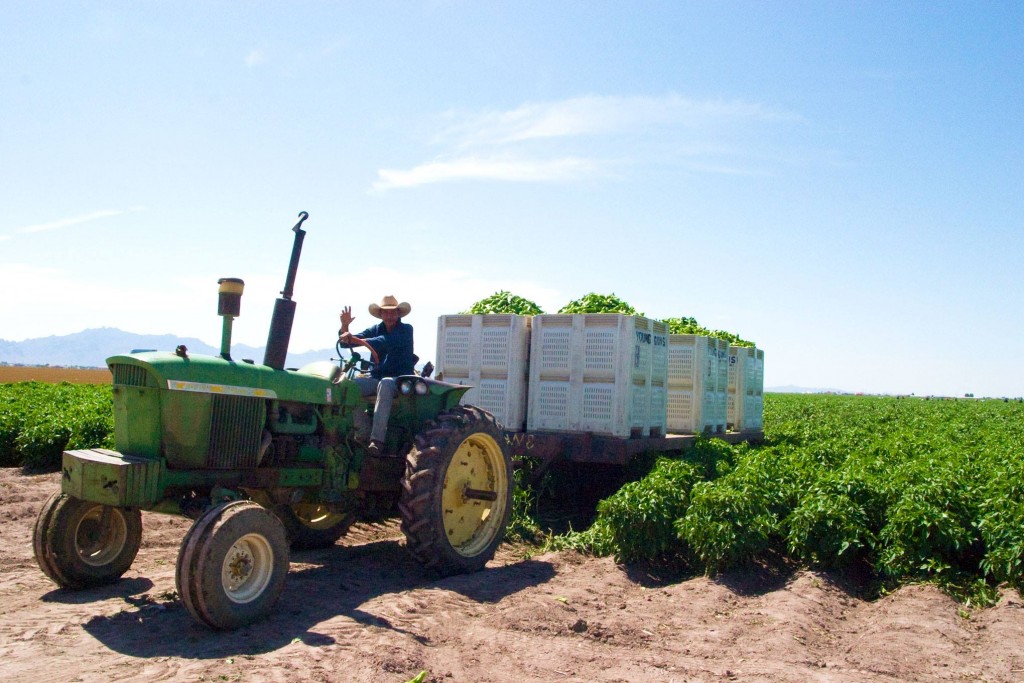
548 448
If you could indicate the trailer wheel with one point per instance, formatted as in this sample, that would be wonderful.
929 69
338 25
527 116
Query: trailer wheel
79 544
232 565
310 526
457 492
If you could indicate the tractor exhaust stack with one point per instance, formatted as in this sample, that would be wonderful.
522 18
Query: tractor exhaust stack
284 307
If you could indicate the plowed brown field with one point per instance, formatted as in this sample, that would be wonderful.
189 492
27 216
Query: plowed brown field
365 611
53 375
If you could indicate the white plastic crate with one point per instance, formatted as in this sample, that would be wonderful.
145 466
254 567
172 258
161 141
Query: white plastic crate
756 385
604 373
489 353
746 381
697 376
750 371
734 406
738 368
753 412
737 389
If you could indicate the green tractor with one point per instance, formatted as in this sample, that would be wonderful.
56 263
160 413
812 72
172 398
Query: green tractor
265 459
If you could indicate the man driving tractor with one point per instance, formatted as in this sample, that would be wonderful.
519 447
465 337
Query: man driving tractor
391 340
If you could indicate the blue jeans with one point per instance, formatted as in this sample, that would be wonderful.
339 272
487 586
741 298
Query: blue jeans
386 390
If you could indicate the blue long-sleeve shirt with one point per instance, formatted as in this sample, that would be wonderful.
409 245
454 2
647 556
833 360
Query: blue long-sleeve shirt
394 349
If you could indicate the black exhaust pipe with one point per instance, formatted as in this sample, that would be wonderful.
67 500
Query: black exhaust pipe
284 307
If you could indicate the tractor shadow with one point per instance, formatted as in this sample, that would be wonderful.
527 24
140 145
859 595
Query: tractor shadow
321 585
123 589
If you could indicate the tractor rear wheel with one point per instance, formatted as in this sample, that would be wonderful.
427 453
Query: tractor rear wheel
457 492
79 544
310 526
232 565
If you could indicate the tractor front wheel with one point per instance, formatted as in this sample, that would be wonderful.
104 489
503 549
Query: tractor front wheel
457 492
232 565
310 526
79 544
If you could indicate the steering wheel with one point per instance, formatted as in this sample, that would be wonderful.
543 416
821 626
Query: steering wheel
356 361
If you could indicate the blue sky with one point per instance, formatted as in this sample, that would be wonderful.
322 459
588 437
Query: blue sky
839 182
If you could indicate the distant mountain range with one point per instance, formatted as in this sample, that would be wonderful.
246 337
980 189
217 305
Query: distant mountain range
792 389
91 348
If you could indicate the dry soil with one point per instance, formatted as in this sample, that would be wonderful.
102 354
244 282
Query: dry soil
364 611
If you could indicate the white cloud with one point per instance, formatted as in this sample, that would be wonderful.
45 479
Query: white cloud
601 116
255 57
487 169
572 139
68 222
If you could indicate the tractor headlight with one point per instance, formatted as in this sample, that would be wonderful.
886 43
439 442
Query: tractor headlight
410 387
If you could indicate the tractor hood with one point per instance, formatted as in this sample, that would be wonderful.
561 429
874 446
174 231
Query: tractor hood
216 375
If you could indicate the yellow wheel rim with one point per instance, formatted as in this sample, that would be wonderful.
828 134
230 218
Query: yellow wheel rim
475 494
317 515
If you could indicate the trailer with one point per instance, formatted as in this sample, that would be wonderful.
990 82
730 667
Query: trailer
598 388
549 448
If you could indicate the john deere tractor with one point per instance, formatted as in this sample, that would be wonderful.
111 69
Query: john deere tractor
265 459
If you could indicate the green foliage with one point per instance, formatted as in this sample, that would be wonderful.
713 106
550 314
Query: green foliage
828 528
916 489
726 524
596 540
599 303
11 424
39 421
522 525
733 339
1001 520
640 516
686 325
930 531
42 444
504 302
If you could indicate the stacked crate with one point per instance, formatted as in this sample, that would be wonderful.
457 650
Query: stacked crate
745 402
604 373
753 411
698 369
490 353
723 381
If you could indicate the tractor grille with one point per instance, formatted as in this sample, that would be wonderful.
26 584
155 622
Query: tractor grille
129 375
236 428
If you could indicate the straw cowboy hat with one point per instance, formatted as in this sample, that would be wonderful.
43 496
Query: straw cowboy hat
390 303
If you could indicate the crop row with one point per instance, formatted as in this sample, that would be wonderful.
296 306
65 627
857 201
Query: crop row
38 421
912 489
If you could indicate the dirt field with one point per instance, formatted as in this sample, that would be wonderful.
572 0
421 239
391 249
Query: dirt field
53 375
363 611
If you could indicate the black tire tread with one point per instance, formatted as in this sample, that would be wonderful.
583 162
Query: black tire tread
425 466
53 544
201 600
